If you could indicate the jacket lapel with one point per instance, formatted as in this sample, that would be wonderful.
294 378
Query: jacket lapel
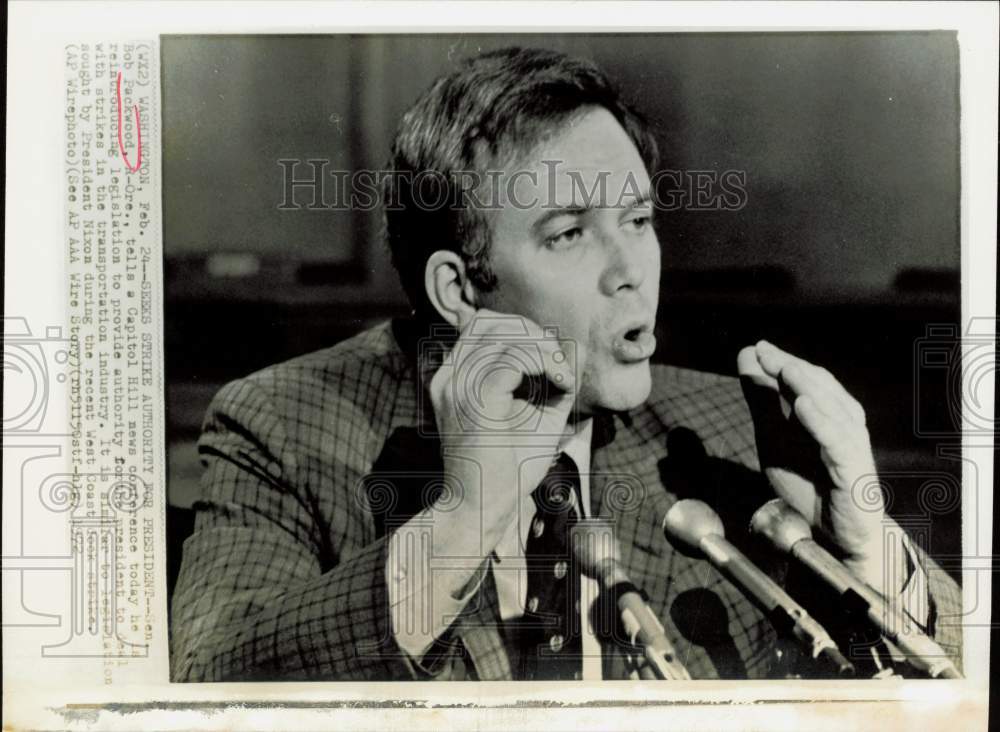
626 489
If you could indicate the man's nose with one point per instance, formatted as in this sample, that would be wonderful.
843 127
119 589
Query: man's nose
625 267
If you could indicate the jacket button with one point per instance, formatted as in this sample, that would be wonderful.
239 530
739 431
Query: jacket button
537 527
532 604
559 570
556 643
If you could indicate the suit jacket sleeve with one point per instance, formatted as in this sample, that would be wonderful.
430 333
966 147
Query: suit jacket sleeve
261 593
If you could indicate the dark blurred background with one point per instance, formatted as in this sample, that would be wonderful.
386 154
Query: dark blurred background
846 253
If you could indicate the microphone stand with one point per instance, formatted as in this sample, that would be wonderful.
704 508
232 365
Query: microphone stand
596 550
644 630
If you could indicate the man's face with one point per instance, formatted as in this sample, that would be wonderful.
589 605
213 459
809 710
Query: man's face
591 268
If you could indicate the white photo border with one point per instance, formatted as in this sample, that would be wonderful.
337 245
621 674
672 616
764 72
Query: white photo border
34 239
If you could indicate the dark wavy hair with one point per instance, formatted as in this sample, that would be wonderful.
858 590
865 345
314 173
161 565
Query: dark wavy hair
496 107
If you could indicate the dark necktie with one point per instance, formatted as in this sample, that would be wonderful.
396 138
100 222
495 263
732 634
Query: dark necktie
548 636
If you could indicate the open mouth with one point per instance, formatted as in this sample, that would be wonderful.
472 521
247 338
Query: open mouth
635 344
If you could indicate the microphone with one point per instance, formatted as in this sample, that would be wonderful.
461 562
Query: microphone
789 531
696 526
596 553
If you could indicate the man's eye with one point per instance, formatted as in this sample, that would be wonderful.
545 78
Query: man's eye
564 238
639 223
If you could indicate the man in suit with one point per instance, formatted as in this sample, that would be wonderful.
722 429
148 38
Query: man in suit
401 506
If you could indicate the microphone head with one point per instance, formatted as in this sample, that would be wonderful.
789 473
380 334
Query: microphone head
689 521
781 524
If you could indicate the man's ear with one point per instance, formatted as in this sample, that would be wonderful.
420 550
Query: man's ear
449 289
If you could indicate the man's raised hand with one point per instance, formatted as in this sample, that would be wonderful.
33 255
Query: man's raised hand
814 447
502 399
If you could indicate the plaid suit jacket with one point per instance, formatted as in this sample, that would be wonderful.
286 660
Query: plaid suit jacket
306 467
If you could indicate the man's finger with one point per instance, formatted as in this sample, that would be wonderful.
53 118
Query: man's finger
496 351
772 358
748 366
775 357
852 405
558 362
831 434
801 378
805 377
